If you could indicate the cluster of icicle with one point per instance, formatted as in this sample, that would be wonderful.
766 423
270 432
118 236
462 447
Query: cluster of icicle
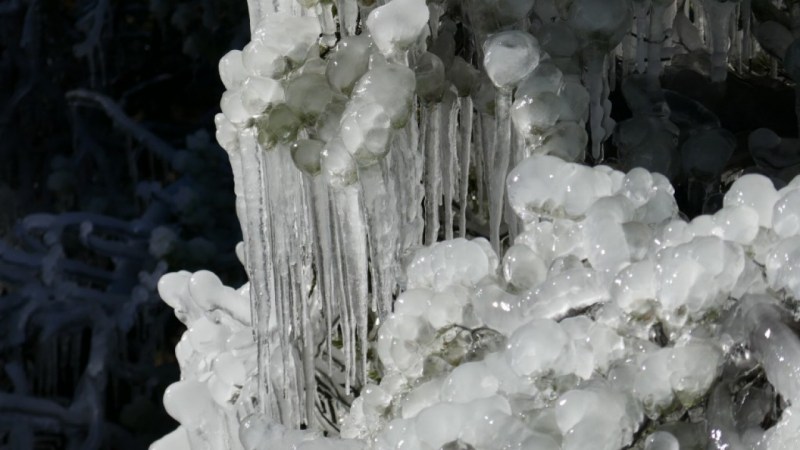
592 318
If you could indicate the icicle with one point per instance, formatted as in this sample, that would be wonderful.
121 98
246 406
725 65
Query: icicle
348 16
718 15
449 153
406 166
721 422
640 10
747 38
464 153
431 146
342 291
656 37
480 165
502 157
595 63
353 232
325 270
258 251
699 14
384 232
327 24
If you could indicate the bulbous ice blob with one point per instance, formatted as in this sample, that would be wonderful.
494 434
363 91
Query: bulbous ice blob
757 192
617 207
226 133
173 288
600 23
463 76
570 290
348 63
413 302
256 430
261 59
546 77
447 307
697 276
307 154
279 125
233 108
638 186
573 406
490 428
401 344
469 381
543 184
231 69
308 95
397 25
226 381
522 268
786 213
421 397
456 262
737 224
694 367
534 115
576 99
260 94
327 125
366 130
188 402
661 440
291 36
210 295
783 266
634 288
439 424
509 56
430 77
392 87
337 164
534 347
605 240
498 309
566 140
651 385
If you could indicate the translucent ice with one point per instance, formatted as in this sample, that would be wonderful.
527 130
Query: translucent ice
535 347
349 62
757 192
397 24
509 57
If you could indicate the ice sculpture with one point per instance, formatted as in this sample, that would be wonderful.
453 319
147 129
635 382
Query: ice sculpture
595 317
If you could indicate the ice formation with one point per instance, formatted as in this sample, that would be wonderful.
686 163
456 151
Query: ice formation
594 317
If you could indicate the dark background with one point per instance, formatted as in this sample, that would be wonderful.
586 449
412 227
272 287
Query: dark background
106 140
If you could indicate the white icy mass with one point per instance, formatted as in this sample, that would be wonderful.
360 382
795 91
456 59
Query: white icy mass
594 318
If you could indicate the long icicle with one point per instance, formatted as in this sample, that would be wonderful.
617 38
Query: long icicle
350 220
502 158
258 249
448 145
464 152
431 147
325 272
384 232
